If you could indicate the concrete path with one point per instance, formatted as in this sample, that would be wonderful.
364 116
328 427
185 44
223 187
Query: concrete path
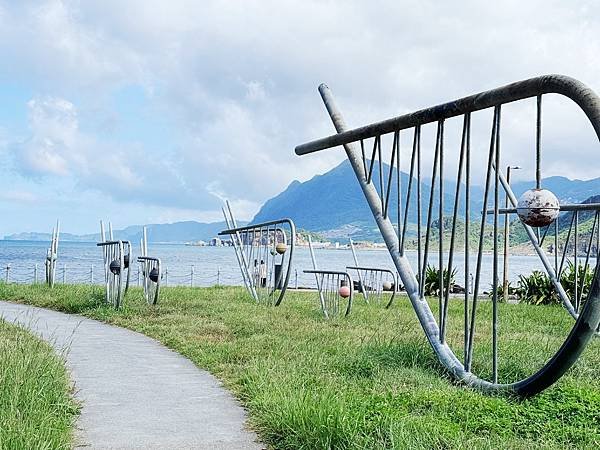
135 393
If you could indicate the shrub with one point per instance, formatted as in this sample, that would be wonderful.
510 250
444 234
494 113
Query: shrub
432 280
536 289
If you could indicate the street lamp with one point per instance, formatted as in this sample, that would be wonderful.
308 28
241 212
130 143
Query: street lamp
506 226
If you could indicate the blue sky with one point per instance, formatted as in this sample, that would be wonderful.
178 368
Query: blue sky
153 111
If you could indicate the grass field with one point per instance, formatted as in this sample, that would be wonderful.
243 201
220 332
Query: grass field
36 410
367 381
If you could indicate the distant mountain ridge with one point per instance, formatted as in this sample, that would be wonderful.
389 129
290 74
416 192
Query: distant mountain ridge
334 205
188 231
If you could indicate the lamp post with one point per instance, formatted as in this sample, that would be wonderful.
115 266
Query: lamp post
506 233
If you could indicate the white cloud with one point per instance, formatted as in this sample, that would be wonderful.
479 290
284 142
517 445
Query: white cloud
235 82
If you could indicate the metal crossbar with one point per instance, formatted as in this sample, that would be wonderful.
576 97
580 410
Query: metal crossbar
448 228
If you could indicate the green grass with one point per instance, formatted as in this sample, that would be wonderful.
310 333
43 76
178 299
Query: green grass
36 409
367 381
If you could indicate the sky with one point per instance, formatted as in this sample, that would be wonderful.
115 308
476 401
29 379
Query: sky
154 112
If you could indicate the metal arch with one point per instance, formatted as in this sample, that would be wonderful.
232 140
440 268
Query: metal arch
324 287
587 100
588 319
275 226
377 270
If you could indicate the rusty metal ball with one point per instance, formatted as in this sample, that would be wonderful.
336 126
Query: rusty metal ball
281 248
344 291
538 207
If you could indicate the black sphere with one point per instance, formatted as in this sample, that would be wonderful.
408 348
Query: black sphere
115 267
154 275
126 262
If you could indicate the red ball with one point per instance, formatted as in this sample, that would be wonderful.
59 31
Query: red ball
344 291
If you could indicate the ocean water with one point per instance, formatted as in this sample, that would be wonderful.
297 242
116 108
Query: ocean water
81 262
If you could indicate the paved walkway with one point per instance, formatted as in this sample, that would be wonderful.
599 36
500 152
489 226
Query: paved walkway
135 393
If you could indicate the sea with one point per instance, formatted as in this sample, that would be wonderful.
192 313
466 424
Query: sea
81 262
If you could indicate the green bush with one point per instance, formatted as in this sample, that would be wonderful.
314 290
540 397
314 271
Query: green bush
585 275
432 280
536 289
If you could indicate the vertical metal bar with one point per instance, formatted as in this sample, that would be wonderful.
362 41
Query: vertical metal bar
319 285
35 274
575 265
469 358
467 231
495 280
373 155
441 230
419 254
453 232
430 213
538 144
364 158
556 247
390 177
408 192
565 248
360 277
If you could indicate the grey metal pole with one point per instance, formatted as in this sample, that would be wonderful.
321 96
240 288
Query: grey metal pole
35 274
7 278
506 238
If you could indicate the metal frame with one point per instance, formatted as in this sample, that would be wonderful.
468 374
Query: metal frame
376 276
371 282
328 284
147 265
118 253
258 242
587 320
52 256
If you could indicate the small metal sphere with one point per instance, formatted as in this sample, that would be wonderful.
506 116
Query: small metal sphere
387 286
154 275
115 267
126 261
281 248
344 291
538 207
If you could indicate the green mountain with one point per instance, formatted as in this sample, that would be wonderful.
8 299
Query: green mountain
333 203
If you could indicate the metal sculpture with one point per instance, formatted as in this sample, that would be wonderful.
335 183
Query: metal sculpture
264 252
52 256
455 350
117 258
333 287
374 282
150 268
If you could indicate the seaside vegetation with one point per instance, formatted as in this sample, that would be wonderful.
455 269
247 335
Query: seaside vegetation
36 408
367 381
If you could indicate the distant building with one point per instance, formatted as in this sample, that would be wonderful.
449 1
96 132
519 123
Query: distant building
215 242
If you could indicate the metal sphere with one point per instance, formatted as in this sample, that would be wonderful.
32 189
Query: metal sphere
281 248
154 275
344 291
538 207
115 267
126 261
387 286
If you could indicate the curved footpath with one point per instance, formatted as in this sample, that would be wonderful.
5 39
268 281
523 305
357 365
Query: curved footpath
136 393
